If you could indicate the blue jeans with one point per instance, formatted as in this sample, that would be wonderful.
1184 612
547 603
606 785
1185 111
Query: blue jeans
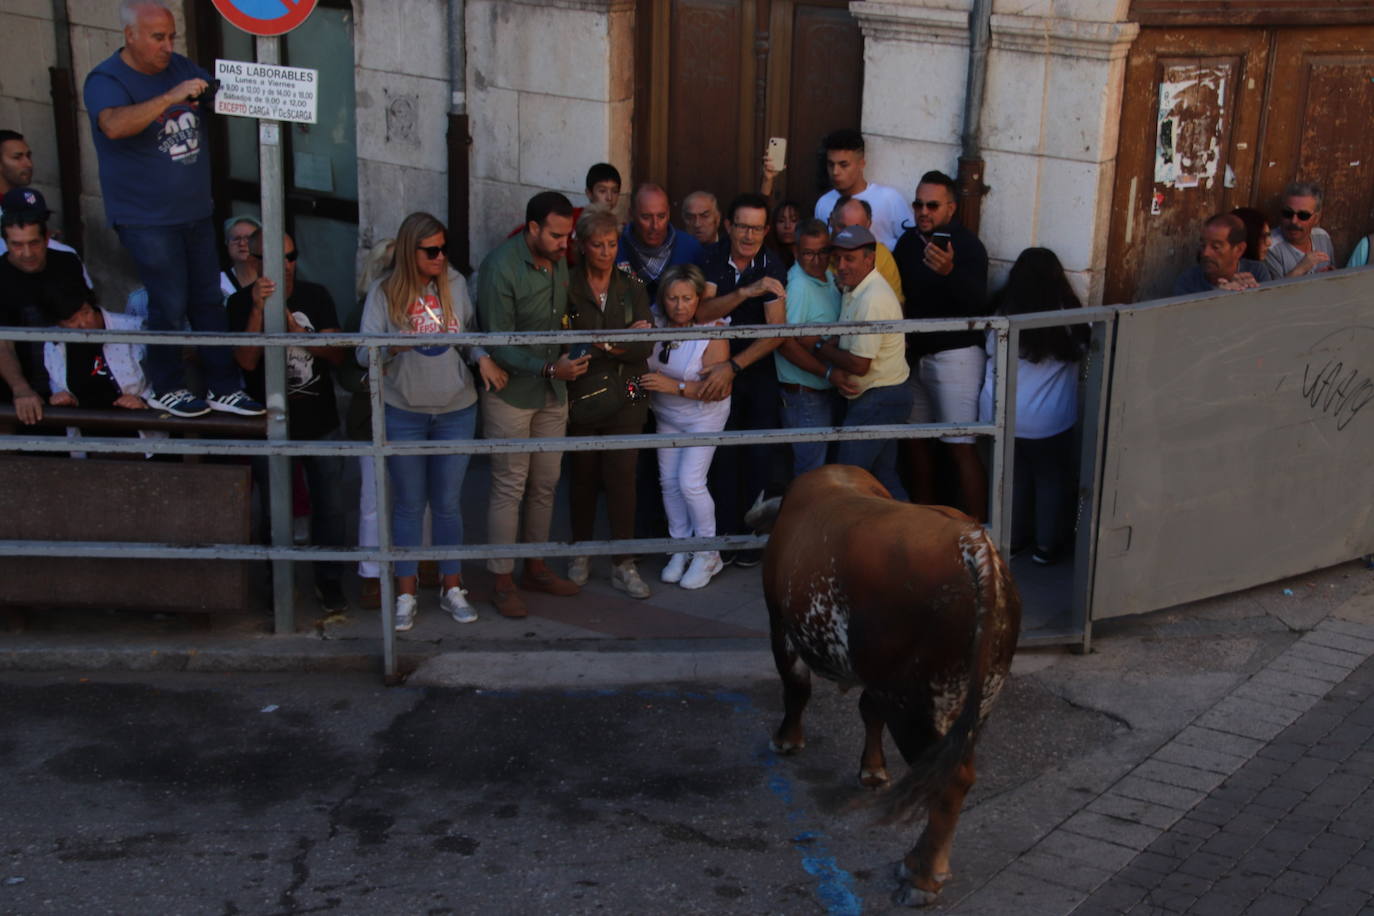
436 479
882 406
804 409
179 266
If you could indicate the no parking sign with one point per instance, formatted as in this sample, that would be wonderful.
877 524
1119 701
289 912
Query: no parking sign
265 17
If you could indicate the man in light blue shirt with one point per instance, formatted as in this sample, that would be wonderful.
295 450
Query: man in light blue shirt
808 400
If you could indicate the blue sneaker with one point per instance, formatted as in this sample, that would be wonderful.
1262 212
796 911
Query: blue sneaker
236 402
179 403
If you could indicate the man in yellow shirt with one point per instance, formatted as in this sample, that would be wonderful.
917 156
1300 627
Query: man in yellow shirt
855 211
870 370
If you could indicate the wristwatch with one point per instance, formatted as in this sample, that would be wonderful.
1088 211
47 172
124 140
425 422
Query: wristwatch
682 388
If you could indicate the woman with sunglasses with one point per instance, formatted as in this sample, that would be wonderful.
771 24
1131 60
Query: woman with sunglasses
429 394
603 298
676 368
243 268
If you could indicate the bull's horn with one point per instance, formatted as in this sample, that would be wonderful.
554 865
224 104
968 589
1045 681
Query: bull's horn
763 513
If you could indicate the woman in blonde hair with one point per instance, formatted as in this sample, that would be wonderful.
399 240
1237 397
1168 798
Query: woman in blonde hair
428 394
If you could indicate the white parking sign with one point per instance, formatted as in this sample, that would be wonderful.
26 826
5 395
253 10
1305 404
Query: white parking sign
268 91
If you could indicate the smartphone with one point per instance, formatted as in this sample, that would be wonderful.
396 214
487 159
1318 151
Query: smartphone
579 350
940 240
777 153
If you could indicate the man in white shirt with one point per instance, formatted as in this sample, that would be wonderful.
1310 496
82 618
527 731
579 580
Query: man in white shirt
844 161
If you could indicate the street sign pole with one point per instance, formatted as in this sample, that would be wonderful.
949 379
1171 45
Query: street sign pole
274 358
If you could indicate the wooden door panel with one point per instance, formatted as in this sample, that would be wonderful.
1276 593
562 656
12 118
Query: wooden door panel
1322 127
1189 120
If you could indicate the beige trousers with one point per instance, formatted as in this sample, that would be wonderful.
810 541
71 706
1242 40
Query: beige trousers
526 479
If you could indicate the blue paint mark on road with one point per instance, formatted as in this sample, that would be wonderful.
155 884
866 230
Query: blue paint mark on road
834 885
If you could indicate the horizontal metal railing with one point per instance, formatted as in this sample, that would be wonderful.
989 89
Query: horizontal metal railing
378 448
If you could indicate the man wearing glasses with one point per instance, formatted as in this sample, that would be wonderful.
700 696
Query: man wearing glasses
944 270
807 397
1300 246
747 283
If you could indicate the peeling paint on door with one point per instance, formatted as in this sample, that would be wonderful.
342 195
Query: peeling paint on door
1191 125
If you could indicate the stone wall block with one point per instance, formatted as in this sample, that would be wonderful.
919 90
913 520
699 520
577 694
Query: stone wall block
901 162
100 14
921 95
539 49
496 147
497 207
37 9
393 193
402 120
1063 221
25 75
1080 122
1015 182
559 139
1014 103
404 36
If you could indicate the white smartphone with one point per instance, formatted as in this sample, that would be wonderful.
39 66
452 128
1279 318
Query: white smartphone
777 153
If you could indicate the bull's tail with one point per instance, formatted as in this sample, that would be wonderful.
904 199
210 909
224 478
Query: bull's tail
931 772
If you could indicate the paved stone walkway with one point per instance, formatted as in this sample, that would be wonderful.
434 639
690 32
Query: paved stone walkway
1263 805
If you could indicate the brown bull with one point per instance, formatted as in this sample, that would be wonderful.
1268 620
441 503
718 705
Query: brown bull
914 605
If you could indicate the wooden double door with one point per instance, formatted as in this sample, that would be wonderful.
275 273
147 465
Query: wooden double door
1221 117
717 78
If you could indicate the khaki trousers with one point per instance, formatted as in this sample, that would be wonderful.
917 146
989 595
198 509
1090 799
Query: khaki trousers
525 480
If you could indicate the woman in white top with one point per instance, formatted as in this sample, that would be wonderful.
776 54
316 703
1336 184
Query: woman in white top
675 369
1046 404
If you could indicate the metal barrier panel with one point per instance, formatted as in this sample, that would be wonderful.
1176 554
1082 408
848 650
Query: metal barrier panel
1238 444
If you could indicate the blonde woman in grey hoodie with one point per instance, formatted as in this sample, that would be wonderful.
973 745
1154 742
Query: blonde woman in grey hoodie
429 394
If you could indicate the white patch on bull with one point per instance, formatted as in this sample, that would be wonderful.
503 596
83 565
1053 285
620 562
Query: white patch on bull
822 631
947 698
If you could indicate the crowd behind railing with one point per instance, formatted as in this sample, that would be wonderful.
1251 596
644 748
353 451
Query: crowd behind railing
863 253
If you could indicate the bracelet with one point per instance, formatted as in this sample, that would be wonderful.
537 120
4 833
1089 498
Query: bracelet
820 342
736 366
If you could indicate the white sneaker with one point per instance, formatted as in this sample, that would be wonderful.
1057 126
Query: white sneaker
580 570
455 601
705 565
625 577
677 565
405 612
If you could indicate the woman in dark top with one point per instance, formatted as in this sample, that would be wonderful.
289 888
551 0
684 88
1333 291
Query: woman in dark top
603 298
786 219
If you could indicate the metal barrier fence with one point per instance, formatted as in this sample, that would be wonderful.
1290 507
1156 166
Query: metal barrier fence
282 555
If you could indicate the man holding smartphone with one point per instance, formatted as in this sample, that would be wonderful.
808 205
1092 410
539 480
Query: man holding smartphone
944 271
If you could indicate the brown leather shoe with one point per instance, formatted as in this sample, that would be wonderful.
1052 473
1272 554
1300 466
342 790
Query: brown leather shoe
545 580
509 604
370 598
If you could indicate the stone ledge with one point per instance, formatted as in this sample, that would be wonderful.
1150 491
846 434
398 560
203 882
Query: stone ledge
1063 37
916 24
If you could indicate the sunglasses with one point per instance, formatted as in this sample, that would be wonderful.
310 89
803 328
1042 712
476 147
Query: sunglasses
1303 215
432 251
668 347
928 204
290 256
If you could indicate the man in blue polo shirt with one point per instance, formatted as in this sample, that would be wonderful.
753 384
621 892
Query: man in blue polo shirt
147 121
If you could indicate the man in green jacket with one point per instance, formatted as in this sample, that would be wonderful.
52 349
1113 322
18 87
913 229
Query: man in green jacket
523 286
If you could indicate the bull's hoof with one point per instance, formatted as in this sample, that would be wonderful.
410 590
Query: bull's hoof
786 748
874 779
910 895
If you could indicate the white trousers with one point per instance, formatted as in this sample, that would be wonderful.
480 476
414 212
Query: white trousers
682 475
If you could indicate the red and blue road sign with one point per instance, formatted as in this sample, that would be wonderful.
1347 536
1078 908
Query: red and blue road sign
265 17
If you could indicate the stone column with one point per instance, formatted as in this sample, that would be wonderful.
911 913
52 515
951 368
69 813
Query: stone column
550 93
1049 120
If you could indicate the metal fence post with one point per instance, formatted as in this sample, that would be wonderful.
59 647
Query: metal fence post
383 491
274 357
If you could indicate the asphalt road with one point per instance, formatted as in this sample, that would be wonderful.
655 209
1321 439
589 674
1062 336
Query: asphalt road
283 794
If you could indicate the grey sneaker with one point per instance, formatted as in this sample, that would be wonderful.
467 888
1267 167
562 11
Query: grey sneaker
405 612
625 577
580 570
455 602
179 403
236 402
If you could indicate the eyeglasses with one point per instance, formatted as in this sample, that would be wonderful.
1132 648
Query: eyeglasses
289 256
432 251
818 253
1303 215
928 204
668 347
749 230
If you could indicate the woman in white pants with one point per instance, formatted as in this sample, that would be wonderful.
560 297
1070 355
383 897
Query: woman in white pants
675 368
